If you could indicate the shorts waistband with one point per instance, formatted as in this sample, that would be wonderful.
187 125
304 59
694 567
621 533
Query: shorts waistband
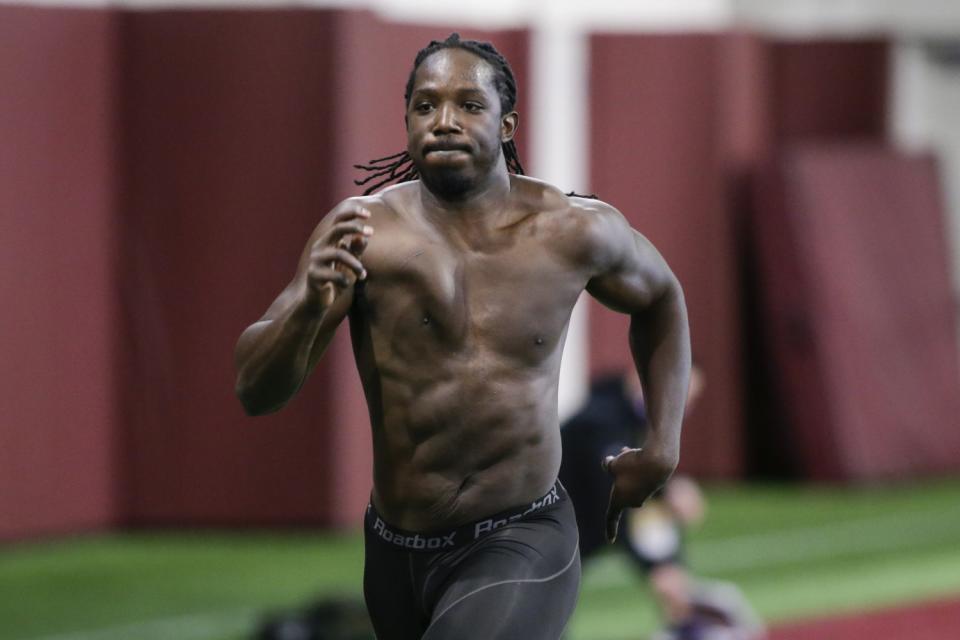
464 534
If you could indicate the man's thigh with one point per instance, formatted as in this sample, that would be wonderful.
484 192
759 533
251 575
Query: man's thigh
521 583
390 593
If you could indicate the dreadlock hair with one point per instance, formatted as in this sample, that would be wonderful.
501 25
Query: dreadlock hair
400 167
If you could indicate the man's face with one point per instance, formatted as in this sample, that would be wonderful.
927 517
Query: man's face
454 125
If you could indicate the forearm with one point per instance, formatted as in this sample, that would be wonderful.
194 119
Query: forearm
273 357
660 343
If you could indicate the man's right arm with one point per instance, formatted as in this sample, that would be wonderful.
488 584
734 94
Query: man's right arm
275 355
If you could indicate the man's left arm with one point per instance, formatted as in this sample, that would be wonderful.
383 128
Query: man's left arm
634 278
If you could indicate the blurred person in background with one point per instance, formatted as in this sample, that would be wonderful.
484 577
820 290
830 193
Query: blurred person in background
458 284
612 419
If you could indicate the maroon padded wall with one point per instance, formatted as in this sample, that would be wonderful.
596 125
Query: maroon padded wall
657 155
828 89
58 425
861 311
813 90
226 166
677 136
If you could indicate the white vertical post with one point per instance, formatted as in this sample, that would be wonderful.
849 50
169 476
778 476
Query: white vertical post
925 100
559 154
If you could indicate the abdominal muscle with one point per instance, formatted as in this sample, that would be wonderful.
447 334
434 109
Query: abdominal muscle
457 446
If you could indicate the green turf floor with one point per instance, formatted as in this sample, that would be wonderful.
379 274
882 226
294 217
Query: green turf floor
795 552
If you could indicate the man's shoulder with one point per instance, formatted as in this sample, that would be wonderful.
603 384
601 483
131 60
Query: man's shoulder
387 203
580 226
570 210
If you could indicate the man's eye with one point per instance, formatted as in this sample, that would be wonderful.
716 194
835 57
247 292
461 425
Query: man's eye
423 107
473 107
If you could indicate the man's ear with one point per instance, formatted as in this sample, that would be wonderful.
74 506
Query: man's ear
406 123
508 126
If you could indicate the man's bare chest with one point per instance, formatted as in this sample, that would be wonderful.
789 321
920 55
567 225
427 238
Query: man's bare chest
508 295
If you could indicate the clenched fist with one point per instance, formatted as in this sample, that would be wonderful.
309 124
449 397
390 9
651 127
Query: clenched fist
636 476
335 256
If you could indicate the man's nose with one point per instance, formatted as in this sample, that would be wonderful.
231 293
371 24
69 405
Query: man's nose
446 120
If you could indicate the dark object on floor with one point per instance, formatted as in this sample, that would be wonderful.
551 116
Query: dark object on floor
328 619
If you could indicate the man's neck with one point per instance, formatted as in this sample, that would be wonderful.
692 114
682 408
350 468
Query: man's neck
474 210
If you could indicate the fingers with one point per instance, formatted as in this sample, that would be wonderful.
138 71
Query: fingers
356 244
621 467
614 507
344 233
614 511
608 462
338 249
320 276
328 256
352 213
334 265
353 220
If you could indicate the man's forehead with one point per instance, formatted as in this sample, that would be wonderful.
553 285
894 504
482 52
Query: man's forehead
456 67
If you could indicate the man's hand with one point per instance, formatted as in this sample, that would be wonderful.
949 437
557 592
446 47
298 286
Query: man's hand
335 257
636 475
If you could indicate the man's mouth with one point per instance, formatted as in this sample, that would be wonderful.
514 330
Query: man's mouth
445 149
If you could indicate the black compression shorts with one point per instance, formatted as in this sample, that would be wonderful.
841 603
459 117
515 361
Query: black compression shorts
512 576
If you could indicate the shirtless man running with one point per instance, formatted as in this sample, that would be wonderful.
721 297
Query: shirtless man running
458 284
